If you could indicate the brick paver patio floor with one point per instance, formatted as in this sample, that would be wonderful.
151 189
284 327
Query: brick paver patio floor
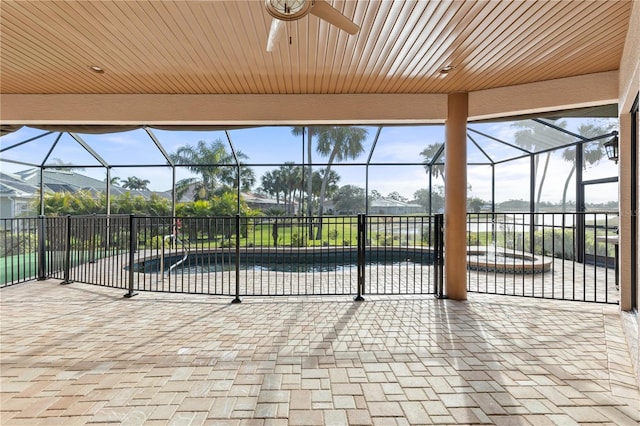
80 354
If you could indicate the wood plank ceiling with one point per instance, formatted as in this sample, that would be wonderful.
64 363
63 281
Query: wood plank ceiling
218 47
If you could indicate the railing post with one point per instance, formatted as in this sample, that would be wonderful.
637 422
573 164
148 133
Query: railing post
580 225
132 254
92 239
237 298
439 257
362 241
67 254
533 219
436 259
42 257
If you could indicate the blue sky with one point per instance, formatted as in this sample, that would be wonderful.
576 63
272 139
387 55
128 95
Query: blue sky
265 145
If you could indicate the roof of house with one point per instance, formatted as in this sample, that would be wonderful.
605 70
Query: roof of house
57 179
260 199
13 185
389 202
28 181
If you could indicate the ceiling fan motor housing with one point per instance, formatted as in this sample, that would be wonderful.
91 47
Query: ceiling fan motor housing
288 10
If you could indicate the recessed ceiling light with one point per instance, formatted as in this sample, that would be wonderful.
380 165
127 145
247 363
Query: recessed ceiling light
447 69
96 69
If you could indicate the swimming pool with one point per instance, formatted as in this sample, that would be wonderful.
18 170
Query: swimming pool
284 260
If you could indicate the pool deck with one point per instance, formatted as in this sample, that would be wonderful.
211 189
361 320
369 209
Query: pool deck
82 354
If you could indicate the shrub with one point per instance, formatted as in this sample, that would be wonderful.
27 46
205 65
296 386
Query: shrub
157 242
298 240
549 243
275 211
473 239
427 237
228 242
384 240
13 244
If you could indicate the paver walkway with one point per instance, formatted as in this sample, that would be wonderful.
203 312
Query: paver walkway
81 354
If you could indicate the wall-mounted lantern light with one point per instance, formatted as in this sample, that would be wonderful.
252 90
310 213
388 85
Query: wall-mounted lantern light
611 147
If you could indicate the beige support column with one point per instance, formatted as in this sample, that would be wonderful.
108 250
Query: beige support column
624 226
455 197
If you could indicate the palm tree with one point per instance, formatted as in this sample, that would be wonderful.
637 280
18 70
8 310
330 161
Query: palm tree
532 136
291 177
339 143
195 185
592 152
332 182
430 154
272 184
298 131
115 181
286 180
229 175
215 165
135 183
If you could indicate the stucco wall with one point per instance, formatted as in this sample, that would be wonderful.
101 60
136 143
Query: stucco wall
629 86
630 63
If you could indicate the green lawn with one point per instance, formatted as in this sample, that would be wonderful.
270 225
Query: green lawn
18 268
334 231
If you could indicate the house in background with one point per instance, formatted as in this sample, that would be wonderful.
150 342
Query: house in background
18 190
380 205
260 202
58 180
15 195
395 207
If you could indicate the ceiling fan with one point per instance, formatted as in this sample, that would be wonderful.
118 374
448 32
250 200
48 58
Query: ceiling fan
292 10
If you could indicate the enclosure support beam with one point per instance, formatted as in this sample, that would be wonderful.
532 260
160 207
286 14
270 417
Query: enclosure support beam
455 190
628 212
430 191
108 191
41 195
493 188
580 204
532 183
173 191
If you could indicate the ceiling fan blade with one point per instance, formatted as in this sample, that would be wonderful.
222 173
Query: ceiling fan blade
325 11
274 33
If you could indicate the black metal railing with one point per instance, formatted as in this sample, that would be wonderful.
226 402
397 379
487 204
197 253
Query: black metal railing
184 255
76 248
239 256
569 256
281 256
19 241
400 252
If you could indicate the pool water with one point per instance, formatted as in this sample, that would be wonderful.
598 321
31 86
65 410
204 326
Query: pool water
307 262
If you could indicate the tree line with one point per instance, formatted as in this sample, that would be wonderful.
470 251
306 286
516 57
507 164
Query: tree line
86 202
